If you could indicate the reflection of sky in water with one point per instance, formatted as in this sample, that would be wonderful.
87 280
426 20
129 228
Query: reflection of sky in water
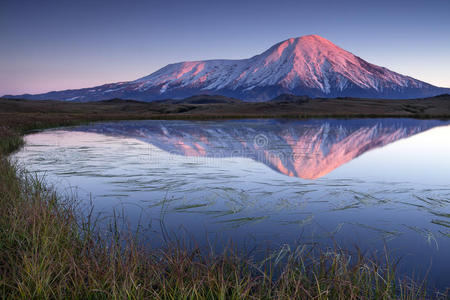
398 192
424 158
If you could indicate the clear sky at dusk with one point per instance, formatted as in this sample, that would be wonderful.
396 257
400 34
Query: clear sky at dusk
57 44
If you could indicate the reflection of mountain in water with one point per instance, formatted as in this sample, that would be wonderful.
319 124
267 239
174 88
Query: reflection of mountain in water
306 149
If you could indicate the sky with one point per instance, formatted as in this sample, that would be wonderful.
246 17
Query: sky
58 44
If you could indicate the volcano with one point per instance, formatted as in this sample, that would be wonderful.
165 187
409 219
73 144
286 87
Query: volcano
309 65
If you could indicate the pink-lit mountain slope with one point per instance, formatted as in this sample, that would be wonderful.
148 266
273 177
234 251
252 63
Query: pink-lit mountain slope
308 65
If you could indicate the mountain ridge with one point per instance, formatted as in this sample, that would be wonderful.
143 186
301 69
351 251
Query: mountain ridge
308 65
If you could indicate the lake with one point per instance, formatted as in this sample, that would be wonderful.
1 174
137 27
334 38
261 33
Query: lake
263 184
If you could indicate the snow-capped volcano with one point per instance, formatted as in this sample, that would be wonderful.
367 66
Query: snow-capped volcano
308 65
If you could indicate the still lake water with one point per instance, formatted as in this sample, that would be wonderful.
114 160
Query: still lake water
265 183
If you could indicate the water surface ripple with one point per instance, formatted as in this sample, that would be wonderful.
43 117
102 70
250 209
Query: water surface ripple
265 183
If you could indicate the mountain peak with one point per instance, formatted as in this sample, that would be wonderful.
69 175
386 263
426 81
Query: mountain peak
305 41
314 62
307 46
311 37
310 40
308 65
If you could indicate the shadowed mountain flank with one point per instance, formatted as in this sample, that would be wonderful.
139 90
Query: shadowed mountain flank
308 65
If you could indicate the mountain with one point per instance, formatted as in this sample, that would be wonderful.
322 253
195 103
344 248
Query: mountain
307 149
308 65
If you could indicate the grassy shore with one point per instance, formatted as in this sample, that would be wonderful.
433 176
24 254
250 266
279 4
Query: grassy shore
46 251
16 112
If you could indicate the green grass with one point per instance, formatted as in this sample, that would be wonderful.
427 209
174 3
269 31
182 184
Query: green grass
46 252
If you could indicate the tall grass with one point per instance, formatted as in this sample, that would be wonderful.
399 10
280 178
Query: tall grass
46 252
10 140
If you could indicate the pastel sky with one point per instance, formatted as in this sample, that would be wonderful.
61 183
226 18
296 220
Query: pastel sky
58 44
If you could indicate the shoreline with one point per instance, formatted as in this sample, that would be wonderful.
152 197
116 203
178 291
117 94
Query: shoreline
43 244
17 112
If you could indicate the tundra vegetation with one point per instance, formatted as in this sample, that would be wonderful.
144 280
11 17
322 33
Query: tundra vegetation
48 251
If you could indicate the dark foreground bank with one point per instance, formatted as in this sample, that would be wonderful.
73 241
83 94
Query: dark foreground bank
47 252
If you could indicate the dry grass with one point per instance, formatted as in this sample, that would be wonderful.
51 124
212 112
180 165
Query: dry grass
47 252
37 113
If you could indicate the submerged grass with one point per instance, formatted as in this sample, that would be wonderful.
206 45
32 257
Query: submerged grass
47 252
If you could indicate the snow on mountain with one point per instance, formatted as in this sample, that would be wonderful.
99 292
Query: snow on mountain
308 65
